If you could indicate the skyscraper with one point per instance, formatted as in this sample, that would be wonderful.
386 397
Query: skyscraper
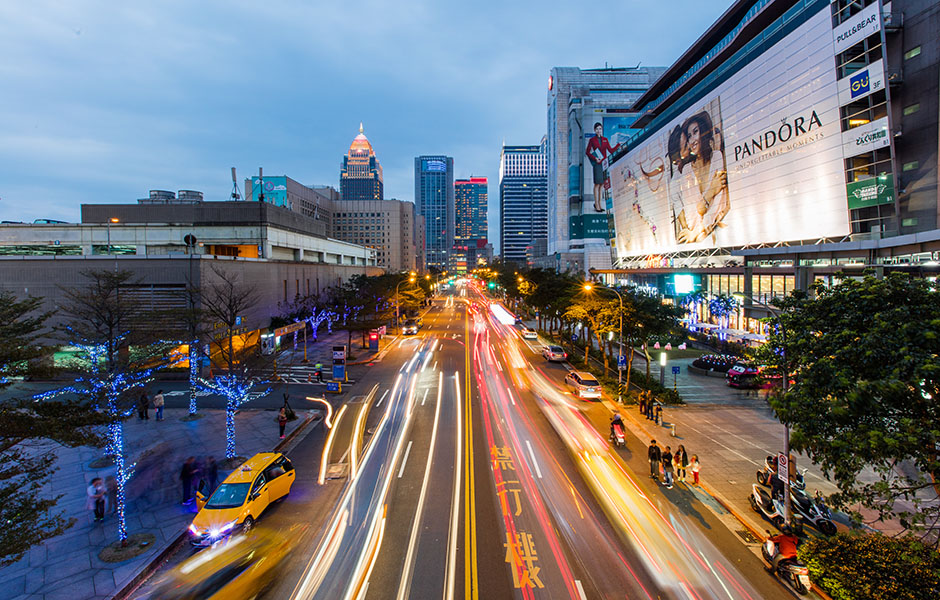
361 174
434 200
523 208
471 197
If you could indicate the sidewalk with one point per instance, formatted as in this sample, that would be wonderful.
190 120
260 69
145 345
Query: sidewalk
68 567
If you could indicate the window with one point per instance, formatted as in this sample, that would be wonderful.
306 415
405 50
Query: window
868 165
915 51
864 111
910 166
913 108
859 56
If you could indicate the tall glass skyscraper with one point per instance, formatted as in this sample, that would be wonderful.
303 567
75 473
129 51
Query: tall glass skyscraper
361 174
434 200
471 197
523 200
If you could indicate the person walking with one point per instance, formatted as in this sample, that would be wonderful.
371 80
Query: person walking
95 501
282 420
158 404
187 475
643 403
110 484
143 404
667 467
695 467
212 474
655 456
682 463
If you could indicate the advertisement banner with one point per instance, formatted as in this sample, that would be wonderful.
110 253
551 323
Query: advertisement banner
275 190
615 130
871 192
856 28
757 159
862 83
866 138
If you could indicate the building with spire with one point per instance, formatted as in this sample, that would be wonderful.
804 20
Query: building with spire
361 174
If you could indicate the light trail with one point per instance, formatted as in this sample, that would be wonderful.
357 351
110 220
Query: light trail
450 581
324 461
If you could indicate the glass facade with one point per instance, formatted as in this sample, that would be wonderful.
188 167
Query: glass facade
434 200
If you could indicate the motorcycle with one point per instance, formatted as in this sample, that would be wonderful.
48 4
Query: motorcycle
770 467
793 571
618 438
772 509
813 510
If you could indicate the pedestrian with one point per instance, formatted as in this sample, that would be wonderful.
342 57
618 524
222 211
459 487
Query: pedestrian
695 466
667 467
187 474
658 419
642 403
110 484
143 404
158 404
682 462
282 420
95 501
212 474
655 456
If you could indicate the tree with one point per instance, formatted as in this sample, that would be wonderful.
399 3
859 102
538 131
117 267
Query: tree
650 319
722 306
600 316
226 301
865 359
27 460
116 354
194 319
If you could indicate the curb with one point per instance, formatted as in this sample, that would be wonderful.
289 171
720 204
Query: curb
150 568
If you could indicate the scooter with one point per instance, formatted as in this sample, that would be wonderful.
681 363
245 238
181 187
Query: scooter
813 510
772 509
618 438
770 467
792 571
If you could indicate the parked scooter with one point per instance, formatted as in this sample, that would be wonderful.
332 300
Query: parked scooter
792 571
770 467
813 510
618 439
772 509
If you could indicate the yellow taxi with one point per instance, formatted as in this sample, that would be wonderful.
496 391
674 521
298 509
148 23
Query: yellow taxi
242 568
241 498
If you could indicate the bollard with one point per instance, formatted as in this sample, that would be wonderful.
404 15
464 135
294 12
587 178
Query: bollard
673 430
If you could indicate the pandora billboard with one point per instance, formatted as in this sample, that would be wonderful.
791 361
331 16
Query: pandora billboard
758 159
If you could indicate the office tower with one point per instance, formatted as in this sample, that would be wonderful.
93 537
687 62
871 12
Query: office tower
434 200
471 198
523 181
361 174
387 226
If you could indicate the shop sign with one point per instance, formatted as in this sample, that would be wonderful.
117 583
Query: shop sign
866 138
856 28
871 192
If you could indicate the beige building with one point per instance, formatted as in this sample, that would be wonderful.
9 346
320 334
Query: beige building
386 226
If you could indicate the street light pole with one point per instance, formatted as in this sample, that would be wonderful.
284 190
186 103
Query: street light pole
786 386
411 279
588 287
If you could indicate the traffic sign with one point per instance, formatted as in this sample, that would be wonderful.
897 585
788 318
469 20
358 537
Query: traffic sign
332 386
621 362
574 338
289 328
782 466
339 352
676 370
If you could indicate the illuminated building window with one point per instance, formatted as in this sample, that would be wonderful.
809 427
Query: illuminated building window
913 108
915 51
910 166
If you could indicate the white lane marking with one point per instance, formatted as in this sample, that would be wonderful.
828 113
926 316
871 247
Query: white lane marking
425 397
455 502
404 461
412 542
581 593
434 366
508 391
379 403
534 462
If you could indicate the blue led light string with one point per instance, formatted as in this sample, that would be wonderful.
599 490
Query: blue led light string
236 392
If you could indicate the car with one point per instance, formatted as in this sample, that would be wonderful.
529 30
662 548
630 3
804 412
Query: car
554 353
410 327
242 568
240 499
529 333
745 376
584 384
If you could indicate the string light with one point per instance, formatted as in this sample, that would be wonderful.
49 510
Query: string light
236 391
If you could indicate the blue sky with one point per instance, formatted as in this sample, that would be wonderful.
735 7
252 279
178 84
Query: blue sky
103 101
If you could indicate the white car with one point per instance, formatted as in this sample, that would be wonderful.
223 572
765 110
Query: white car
554 353
529 334
584 384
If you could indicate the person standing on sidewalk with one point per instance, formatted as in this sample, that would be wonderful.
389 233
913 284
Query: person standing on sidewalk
187 475
695 466
95 502
643 403
667 467
143 404
682 463
282 420
655 456
212 474
158 404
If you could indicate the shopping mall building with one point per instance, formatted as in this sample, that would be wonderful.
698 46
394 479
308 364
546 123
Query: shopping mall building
795 141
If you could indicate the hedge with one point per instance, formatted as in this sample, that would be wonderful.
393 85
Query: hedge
852 566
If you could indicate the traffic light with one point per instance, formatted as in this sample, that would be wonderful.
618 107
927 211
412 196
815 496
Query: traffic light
491 285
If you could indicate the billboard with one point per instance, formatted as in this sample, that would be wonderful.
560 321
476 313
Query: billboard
756 159
616 129
275 190
434 165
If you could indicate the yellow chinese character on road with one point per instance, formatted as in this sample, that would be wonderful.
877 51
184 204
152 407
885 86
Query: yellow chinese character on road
521 553
502 458
510 490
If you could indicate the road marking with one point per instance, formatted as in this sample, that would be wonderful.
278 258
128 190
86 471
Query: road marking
379 403
534 462
425 397
404 461
434 366
577 582
510 396
454 506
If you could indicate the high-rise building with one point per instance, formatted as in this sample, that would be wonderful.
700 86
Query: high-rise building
471 197
523 208
388 226
361 175
578 101
434 199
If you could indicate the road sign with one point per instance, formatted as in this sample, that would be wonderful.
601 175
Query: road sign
621 362
332 386
782 466
676 370
289 328
339 372
339 352
574 338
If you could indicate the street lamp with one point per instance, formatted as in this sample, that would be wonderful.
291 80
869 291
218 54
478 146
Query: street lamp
398 303
786 386
588 286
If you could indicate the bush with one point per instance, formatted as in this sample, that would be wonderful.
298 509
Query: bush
854 566
715 362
